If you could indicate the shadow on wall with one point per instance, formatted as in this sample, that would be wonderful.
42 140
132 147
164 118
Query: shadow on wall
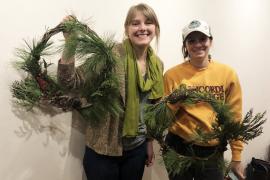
268 156
76 148
40 121
58 126
67 130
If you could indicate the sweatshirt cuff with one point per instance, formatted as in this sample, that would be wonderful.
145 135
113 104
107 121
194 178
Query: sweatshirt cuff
236 155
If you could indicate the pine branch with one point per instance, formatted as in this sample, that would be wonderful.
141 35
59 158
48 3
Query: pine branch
27 92
101 86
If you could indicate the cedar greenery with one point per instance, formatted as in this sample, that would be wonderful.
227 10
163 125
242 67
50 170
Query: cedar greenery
159 117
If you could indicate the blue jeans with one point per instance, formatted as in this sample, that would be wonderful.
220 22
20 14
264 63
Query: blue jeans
130 166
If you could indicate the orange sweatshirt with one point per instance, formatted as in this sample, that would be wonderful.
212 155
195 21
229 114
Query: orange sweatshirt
216 78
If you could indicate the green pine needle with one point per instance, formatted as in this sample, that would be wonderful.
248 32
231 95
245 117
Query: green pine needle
101 86
26 92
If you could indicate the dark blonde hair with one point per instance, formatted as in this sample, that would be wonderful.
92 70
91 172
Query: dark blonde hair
147 11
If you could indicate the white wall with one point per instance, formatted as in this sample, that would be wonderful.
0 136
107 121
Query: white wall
41 145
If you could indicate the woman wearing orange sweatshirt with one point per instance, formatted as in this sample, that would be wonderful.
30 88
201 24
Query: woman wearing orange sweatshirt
203 74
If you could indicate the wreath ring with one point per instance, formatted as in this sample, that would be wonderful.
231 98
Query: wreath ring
159 117
98 98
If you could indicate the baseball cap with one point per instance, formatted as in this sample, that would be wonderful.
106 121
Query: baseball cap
196 25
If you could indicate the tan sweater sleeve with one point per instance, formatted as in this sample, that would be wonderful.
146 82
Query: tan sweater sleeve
70 77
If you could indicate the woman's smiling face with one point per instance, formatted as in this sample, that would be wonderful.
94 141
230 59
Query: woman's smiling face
141 30
198 45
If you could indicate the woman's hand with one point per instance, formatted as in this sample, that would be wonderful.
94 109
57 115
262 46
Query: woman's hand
150 154
237 169
66 19
67 57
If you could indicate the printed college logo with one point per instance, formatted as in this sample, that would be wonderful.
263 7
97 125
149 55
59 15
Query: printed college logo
194 24
217 91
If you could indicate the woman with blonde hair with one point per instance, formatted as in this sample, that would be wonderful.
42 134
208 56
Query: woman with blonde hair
118 149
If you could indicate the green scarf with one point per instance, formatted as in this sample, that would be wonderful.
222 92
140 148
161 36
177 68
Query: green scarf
135 83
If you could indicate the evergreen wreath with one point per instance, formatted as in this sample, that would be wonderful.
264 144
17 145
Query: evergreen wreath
100 90
159 117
